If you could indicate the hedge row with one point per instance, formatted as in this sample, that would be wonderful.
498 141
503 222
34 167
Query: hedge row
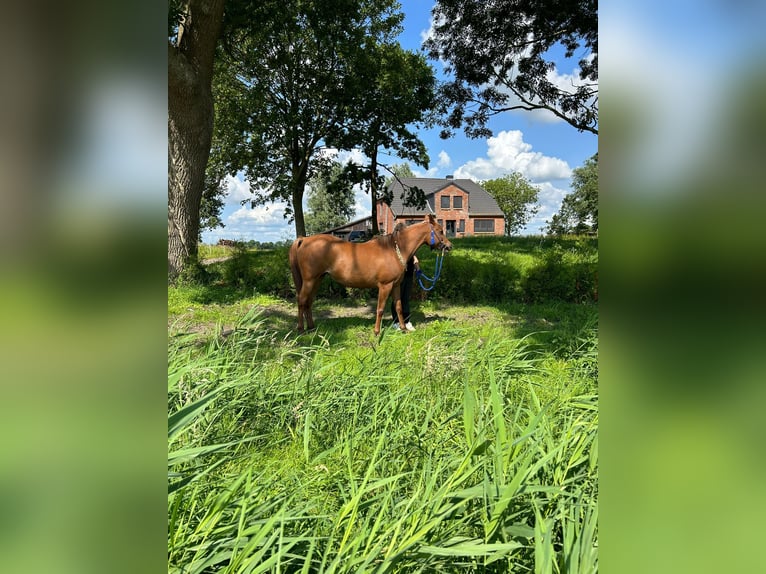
478 270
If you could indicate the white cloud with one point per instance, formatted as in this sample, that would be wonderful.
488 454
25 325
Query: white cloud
243 222
266 215
444 159
429 33
362 203
237 190
508 152
430 172
354 156
263 223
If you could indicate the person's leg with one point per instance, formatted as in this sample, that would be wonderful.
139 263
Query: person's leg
406 289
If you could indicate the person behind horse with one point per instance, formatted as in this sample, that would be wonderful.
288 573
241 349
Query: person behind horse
406 290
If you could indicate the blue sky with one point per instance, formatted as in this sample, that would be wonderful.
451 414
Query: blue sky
541 147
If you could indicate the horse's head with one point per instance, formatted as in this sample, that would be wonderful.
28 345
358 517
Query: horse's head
437 239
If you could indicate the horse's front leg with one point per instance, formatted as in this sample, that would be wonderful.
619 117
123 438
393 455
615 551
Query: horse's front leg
384 290
396 293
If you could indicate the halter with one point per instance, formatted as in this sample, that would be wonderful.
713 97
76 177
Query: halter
437 273
432 243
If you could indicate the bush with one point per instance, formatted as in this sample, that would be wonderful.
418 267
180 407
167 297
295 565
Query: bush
491 269
266 272
569 276
502 269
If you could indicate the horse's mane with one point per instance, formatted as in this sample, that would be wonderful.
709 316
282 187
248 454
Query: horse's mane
385 240
389 239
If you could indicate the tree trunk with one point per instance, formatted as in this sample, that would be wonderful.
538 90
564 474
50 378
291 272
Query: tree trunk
190 126
299 178
374 190
300 221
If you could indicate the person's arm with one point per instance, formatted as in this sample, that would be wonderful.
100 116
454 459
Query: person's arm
416 263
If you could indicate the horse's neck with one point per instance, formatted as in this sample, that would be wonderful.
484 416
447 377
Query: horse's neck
410 239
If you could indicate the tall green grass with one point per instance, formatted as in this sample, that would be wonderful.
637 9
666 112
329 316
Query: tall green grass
459 448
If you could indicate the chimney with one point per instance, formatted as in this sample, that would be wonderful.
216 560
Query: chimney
450 177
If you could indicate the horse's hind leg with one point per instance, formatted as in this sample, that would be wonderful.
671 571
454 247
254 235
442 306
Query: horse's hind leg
305 302
310 305
300 314
302 306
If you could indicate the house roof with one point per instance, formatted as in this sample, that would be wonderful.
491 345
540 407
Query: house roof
349 225
479 201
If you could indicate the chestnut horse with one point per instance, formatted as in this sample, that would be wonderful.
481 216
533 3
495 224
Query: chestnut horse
379 262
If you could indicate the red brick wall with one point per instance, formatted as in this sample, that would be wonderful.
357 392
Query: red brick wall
451 206
385 218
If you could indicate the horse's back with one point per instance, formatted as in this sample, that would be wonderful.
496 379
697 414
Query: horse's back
351 264
314 254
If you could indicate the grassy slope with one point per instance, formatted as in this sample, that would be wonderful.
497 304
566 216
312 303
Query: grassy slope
469 444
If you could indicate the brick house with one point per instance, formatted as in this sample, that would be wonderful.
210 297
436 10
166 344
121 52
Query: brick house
462 207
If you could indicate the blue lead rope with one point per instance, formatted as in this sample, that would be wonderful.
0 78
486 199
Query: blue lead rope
437 273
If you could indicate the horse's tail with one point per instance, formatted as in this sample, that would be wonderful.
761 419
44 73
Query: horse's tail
294 267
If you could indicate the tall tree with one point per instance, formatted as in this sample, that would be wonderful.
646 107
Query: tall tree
500 54
398 171
194 27
330 201
517 198
396 94
579 209
287 85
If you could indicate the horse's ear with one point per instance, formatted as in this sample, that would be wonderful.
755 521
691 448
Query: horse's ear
430 217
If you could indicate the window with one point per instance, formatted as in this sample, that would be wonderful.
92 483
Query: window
457 202
445 201
461 226
484 225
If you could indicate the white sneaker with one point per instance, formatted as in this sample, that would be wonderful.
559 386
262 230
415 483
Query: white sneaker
395 327
409 326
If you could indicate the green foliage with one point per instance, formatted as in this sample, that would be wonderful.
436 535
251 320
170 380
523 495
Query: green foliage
579 209
396 92
566 275
517 198
479 270
400 170
330 201
285 88
193 273
261 272
496 67
529 269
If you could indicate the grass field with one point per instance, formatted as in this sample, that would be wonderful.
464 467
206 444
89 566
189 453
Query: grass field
469 445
